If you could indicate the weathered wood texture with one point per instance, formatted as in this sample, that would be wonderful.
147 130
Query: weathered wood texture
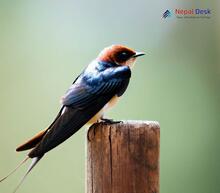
123 158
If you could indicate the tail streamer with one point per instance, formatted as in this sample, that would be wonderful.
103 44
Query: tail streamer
13 171
35 160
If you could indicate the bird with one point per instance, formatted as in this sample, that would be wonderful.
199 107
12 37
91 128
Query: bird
97 89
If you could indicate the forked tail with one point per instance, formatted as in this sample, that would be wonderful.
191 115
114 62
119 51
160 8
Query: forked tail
35 160
14 170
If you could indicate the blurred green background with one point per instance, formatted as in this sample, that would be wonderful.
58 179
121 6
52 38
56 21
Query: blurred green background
46 44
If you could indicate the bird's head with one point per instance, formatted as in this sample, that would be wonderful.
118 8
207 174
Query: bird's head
119 55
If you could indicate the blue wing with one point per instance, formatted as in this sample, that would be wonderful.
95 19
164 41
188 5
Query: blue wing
112 81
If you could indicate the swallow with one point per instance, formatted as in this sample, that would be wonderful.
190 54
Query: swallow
93 92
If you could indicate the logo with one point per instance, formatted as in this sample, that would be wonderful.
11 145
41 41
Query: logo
166 14
192 13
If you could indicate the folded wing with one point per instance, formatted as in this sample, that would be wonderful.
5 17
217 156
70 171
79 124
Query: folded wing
81 102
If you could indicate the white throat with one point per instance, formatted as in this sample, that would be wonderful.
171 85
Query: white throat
130 62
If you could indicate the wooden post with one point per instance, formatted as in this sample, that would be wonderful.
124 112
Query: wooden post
123 157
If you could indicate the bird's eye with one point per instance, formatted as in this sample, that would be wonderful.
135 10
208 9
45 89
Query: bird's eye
123 56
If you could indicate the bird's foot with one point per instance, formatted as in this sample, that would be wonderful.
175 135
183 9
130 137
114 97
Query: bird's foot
109 121
92 130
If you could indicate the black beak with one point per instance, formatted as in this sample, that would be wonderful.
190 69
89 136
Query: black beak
137 54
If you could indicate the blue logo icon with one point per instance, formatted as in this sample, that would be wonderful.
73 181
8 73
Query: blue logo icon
166 14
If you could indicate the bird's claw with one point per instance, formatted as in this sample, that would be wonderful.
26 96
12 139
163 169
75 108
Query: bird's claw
102 120
110 121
